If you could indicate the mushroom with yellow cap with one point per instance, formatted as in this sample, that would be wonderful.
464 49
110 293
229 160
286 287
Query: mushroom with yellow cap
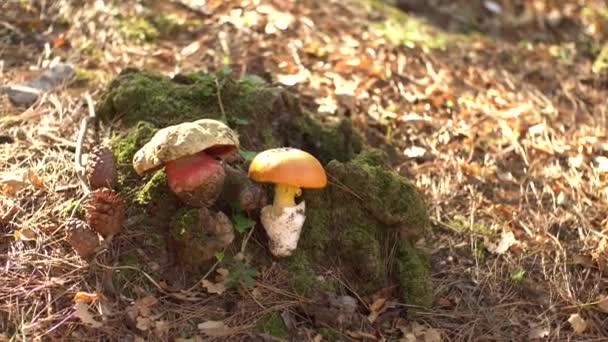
290 169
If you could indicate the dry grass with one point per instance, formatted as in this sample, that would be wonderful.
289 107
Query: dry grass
511 133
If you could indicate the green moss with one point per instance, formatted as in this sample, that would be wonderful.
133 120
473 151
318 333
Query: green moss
182 223
136 96
401 28
476 228
171 24
356 222
272 324
138 29
124 148
601 61
413 276
301 274
329 335
72 206
154 191
85 77
190 240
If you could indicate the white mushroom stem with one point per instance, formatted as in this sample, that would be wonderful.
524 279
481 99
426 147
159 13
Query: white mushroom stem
283 230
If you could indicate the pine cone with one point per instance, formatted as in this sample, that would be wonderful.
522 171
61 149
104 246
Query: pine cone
105 212
81 237
101 168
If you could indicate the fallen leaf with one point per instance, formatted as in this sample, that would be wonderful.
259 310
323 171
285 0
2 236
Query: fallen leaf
190 49
602 164
579 325
432 335
25 234
143 323
293 79
538 332
214 328
376 309
214 288
14 181
85 297
603 304
414 152
506 241
82 311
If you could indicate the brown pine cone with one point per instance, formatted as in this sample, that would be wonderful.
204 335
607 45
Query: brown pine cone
105 212
101 168
81 237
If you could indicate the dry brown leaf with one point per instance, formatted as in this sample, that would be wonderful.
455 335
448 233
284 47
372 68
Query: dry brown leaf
539 332
82 311
214 328
376 309
214 288
14 181
24 234
414 152
85 297
602 304
144 323
601 164
506 241
432 335
293 79
579 325
190 49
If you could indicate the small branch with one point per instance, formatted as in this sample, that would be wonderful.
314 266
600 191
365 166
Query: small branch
219 101
80 141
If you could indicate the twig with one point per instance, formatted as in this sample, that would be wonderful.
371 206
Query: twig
246 240
219 100
80 141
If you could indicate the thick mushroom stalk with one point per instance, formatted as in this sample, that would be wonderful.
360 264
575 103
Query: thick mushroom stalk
197 180
284 197
291 170
283 230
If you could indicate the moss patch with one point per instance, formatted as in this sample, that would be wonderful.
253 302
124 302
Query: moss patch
154 191
364 222
137 28
124 148
272 324
135 97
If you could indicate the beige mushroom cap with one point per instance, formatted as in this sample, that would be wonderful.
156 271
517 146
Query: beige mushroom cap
188 138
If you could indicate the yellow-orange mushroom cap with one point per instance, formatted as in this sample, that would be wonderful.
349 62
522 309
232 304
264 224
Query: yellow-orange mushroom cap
289 169
288 166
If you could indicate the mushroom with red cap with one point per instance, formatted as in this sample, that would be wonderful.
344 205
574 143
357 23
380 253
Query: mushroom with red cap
290 169
192 154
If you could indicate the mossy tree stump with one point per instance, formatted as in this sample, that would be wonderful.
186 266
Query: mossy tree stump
365 222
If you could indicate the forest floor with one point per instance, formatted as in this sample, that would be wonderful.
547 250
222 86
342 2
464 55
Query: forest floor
499 117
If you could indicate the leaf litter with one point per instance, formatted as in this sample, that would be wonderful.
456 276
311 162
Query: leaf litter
501 134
